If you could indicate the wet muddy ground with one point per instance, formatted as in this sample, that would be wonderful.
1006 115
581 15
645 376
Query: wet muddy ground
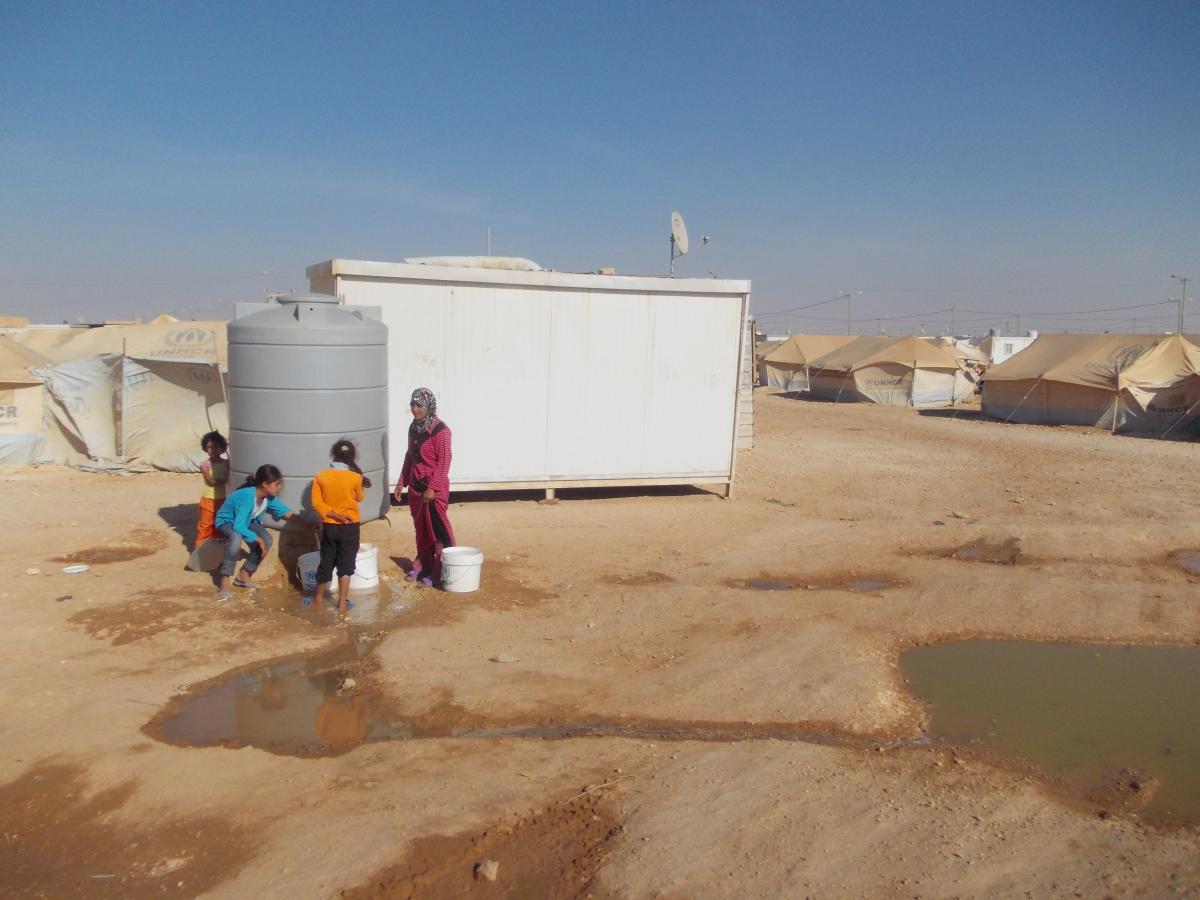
1119 724
620 711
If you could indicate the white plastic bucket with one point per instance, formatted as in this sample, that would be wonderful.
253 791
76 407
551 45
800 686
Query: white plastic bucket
306 569
460 569
366 569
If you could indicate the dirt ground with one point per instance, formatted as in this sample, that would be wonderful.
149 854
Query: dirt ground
751 743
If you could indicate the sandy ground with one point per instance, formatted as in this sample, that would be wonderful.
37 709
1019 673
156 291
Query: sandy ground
763 742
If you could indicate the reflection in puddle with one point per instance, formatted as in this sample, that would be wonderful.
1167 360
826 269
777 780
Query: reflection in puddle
308 707
865 584
1189 560
869 584
370 607
769 584
1102 718
1004 553
297 706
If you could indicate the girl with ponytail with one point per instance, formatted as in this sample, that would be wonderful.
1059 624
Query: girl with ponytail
336 493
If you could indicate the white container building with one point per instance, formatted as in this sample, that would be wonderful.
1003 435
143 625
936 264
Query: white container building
552 379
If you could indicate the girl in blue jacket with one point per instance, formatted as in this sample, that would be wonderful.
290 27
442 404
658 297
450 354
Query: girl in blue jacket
240 519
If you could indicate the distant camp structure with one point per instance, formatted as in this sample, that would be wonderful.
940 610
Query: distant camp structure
118 397
785 365
890 371
1128 383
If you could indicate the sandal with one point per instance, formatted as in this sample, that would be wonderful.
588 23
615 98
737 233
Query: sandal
245 585
224 596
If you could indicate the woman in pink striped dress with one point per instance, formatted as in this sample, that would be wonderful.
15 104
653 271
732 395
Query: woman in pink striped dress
426 474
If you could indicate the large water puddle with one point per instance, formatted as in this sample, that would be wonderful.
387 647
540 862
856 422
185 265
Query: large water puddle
318 706
1119 724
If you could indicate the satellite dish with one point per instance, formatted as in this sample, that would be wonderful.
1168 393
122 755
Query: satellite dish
679 233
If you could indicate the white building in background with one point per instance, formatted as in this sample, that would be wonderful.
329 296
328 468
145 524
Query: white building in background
554 379
999 347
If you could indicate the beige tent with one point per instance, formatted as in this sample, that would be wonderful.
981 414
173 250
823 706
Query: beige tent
786 366
195 341
43 340
891 371
962 350
20 404
1064 379
134 396
1160 393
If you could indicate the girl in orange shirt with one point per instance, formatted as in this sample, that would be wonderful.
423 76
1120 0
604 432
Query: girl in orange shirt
336 493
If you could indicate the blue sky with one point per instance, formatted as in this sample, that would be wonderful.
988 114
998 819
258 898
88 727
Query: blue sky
1010 157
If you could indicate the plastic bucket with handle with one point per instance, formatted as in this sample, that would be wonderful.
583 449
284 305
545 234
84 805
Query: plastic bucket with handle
366 568
306 569
461 567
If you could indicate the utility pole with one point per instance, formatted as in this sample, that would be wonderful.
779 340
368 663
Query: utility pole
1018 334
489 240
848 306
1183 280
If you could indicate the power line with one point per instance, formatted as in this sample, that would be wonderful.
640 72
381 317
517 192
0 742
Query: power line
128 283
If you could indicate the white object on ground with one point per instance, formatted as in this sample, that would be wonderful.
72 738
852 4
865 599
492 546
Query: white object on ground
306 569
366 568
75 570
461 568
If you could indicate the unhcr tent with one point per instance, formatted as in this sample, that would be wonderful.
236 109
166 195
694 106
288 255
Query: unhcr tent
963 350
1064 379
20 404
891 371
134 397
786 366
1128 383
1160 393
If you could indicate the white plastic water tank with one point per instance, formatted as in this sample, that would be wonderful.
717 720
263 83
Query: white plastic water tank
303 372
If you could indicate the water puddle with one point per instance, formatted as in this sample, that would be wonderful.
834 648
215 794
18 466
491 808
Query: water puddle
1118 724
1005 553
376 606
862 584
318 707
770 584
297 707
1188 560
643 579
866 585
140 543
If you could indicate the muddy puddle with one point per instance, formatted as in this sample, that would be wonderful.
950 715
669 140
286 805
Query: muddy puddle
861 585
318 706
377 606
1188 560
1120 725
1004 553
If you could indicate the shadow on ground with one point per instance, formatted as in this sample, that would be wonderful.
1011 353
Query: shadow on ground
596 493
970 415
182 519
